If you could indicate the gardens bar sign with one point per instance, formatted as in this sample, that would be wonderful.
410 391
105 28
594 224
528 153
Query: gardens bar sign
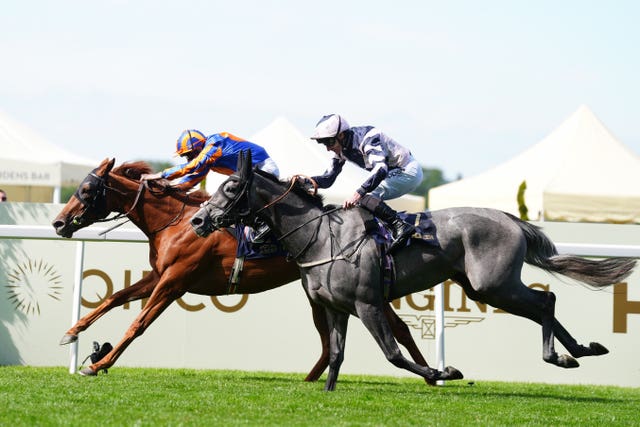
15 172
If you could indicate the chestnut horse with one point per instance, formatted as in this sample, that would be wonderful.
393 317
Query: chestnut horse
180 261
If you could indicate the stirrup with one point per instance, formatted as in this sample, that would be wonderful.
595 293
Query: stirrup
260 234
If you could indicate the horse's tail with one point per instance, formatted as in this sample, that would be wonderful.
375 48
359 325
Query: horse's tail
542 253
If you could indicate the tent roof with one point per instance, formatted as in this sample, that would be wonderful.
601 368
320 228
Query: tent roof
29 159
295 153
580 160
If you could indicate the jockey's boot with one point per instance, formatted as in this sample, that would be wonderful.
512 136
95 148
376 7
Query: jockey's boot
400 229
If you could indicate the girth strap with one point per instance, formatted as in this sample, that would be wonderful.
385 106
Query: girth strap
234 277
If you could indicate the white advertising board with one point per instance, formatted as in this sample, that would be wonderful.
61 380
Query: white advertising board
274 331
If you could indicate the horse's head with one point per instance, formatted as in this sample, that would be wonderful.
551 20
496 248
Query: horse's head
88 203
230 204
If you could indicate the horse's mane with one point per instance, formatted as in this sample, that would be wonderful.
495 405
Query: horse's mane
299 189
134 170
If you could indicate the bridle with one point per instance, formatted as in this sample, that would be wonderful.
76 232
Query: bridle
227 217
97 203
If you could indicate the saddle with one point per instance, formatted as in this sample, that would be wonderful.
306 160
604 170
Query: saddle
425 231
249 249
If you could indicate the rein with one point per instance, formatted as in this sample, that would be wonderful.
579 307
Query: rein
141 187
102 182
294 179
325 213
78 219
175 220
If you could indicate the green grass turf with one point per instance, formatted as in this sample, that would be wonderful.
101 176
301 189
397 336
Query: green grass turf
32 396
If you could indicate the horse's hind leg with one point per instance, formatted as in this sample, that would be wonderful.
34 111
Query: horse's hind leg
552 328
374 320
576 349
548 320
141 289
538 306
337 322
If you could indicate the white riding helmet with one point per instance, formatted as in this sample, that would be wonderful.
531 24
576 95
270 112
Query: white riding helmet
330 126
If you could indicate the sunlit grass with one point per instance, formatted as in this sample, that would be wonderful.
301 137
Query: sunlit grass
152 397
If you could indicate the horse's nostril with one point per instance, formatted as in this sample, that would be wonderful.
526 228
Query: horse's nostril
195 221
58 224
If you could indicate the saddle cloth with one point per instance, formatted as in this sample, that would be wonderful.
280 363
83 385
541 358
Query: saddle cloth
425 230
248 249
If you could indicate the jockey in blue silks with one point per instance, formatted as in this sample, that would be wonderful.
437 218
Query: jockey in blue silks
218 152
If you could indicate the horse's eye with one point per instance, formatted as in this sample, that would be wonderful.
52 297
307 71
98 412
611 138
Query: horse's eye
85 192
229 189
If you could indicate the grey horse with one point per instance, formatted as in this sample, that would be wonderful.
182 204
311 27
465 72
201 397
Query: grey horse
483 250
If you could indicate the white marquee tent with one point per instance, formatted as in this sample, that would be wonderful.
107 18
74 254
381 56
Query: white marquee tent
32 168
579 172
297 154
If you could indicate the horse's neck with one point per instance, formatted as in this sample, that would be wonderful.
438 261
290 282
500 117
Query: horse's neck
148 212
299 228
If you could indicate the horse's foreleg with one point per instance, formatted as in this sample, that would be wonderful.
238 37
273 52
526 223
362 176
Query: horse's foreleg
320 322
160 299
403 336
374 319
337 322
139 290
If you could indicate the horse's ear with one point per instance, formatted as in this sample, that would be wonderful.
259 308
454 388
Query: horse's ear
240 163
244 164
110 165
248 163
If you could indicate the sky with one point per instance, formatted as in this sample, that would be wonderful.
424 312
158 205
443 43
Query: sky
465 85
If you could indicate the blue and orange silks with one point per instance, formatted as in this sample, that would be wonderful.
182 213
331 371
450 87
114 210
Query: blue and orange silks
220 154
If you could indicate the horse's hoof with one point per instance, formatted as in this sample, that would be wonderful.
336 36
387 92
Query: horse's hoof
88 372
451 373
330 387
598 349
68 339
566 361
